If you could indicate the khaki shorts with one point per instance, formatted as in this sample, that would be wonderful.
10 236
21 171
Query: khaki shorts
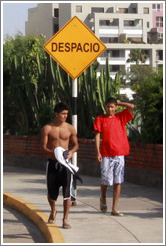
112 170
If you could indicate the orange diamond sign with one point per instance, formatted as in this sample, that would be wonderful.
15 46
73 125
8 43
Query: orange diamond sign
74 47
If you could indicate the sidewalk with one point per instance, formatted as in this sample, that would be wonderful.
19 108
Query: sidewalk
142 207
17 228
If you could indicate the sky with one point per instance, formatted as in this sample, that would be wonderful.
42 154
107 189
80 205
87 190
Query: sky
14 17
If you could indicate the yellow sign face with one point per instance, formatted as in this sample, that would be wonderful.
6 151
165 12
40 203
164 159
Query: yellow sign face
74 47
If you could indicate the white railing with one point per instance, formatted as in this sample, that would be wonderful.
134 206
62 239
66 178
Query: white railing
119 58
133 35
108 27
133 31
133 27
158 10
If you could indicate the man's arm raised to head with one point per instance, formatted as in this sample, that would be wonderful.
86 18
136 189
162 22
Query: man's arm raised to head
129 106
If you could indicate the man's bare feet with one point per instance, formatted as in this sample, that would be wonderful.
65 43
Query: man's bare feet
52 217
65 225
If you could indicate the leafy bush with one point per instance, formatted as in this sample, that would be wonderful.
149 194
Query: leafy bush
149 103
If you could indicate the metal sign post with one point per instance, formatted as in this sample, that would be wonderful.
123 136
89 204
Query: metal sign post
74 121
74 110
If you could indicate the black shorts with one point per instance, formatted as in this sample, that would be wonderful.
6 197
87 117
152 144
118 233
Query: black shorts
57 176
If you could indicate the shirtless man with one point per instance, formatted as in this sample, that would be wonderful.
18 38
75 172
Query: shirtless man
55 134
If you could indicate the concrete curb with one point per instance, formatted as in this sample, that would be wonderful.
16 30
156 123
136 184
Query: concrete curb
50 231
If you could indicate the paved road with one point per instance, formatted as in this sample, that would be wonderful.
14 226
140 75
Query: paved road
142 207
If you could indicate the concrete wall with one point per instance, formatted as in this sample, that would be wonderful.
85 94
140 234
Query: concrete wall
40 20
144 165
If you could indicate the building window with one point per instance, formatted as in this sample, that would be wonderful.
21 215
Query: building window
159 21
123 10
147 24
56 12
78 9
128 23
115 68
154 6
158 7
160 35
160 55
134 10
115 53
97 10
146 10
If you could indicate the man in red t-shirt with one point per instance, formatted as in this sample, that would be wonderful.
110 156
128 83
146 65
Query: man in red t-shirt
114 147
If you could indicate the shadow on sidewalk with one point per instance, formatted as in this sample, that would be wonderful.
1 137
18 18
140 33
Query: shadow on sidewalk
18 221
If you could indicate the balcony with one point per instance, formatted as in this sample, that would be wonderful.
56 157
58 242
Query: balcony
106 31
108 40
133 27
108 27
112 60
113 31
133 31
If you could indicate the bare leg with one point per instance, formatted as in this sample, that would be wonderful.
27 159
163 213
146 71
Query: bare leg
103 204
116 194
103 193
66 207
53 209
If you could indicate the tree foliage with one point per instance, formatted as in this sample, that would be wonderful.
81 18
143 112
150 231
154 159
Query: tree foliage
149 103
138 56
27 83
139 72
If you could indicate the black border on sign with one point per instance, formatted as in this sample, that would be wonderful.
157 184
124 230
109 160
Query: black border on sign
90 62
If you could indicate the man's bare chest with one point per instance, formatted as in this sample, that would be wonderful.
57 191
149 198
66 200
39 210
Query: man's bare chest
57 133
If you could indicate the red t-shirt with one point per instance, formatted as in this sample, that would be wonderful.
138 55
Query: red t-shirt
114 136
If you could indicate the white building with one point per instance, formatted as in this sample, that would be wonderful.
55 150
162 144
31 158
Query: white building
121 26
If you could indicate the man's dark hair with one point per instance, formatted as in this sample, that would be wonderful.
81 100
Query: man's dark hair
111 100
59 107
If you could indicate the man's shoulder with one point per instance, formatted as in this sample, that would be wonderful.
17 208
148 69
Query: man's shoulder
47 126
69 126
125 116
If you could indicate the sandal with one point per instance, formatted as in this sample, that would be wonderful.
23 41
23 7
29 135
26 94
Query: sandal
116 213
66 226
51 218
103 206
